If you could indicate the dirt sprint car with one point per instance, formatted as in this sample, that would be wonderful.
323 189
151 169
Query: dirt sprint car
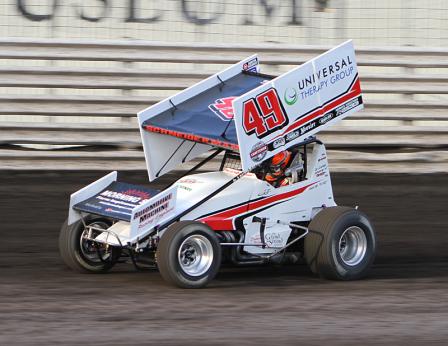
232 215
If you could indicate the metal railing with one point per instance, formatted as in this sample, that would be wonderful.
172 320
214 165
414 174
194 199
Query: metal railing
73 105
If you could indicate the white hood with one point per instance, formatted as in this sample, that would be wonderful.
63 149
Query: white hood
193 188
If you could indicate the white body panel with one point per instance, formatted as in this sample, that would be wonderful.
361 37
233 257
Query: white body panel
234 207
87 192
195 187
144 218
309 196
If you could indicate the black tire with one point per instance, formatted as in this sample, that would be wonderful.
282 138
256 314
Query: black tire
73 256
169 250
324 249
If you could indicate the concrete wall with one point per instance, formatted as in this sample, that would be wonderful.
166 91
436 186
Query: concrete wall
373 22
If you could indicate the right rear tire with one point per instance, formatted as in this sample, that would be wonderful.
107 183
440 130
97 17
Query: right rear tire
341 244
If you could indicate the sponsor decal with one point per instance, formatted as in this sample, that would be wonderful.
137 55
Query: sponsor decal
290 96
138 193
120 196
117 200
191 137
189 181
292 135
256 239
311 125
251 65
327 71
94 206
347 106
278 142
186 188
223 108
154 208
273 239
110 210
263 193
307 128
258 151
327 117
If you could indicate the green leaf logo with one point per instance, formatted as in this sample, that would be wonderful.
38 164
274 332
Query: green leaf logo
291 96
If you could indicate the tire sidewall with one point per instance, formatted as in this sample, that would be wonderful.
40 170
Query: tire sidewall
358 219
185 279
74 236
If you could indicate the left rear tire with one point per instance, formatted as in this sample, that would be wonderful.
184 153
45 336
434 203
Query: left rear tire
82 255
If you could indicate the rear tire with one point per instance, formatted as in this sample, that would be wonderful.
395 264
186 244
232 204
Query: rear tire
189 254
341 244
81 255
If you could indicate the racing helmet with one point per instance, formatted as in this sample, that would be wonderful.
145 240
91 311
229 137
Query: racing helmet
278 164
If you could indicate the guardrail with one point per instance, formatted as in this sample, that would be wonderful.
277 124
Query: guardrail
72 105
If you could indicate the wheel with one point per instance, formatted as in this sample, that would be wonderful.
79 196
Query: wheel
189 254
341 244
83 255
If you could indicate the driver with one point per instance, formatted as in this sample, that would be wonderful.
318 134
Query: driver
276 172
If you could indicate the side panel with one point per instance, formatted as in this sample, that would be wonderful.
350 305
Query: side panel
297 202
220 211
154 212
296 105
87 192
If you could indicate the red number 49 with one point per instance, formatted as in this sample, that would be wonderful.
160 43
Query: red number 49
263 114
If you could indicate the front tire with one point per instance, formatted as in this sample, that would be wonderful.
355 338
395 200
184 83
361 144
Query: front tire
189 254
341 244
81 254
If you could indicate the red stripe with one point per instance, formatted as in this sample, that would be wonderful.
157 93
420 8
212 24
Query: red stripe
224 220
354 92
191 137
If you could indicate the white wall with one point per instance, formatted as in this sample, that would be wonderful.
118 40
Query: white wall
369 22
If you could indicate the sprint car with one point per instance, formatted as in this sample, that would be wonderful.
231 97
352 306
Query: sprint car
231 215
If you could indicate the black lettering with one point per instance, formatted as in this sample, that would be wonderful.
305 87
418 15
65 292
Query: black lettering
133 18
268 11
348 59
22 8
95 19
296 13
331 69
193 17
321 5
336 64
309 80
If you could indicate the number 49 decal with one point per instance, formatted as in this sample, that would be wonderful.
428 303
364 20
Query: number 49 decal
263 114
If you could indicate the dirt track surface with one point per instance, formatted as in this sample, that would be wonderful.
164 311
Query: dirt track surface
404 300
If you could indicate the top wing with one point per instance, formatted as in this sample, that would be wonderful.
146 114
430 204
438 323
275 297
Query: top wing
197 119
208 117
